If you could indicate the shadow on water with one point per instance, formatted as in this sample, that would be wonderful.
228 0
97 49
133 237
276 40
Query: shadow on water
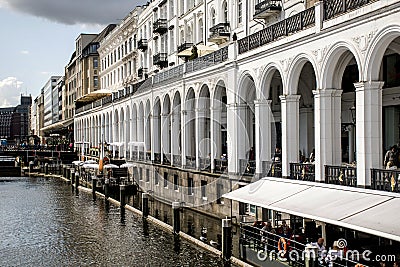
177 244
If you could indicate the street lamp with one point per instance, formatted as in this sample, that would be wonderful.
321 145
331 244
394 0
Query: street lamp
353 114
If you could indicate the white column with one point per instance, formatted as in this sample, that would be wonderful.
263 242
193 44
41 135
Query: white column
236 131
263 117
368 129
215 135
174 135
327 129
290 131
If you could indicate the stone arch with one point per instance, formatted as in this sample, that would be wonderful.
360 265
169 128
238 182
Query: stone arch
295 69
377 49
267 74
334 64
244 95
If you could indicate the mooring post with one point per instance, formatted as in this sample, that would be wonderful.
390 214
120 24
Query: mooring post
177 217
94 183
145 205
106 187
76 178
122 198
71 175
226 239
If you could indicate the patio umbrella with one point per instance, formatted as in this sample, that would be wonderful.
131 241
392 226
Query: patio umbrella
90 166
127 165
77 162
111 166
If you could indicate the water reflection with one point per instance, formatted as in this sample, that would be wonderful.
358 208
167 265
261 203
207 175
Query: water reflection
44 223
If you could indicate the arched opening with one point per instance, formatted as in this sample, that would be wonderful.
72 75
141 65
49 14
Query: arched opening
176 130
157 130
121 138
140 128
305 87
203 127
148 130
219 146
190 129
225 11
127 138
246 126
134 132
116 134
166 130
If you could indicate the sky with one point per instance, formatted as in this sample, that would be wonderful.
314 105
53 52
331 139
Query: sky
38 39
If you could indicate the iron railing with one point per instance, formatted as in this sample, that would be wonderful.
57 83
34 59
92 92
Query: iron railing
184 46
385 180
157 158
247 167
175 72
220 165
160 26
148 156
333 8
288 26
160 59
190 162
141 155
208 60
177 160
220 30
166 159
302 171
267 5
341 175
205 164
142 44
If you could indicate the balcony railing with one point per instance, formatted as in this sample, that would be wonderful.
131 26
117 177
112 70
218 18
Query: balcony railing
220 32
160 59
220 165
385 180
333 8
205 164
142 71
267 8
148 156
177 160
157 158
247 167
142 44
135 155
141 155
280 29
190 162
184 46
175 72
166 159
341 175
160 26
302 171
208 60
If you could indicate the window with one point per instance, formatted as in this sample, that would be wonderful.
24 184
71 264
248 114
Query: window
171 8
203 189
190 186
95 62
147 175
240 6
95 81
140 174
220 190
165 179
176 182
213 17
156 182
225 9
200 33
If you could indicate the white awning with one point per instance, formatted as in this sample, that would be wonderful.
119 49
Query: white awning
58 125
354 208
95 95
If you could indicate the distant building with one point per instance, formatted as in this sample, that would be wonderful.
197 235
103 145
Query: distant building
48 100
15 121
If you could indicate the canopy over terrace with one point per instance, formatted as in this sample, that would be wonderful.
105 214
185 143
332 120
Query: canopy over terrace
93 96
353 208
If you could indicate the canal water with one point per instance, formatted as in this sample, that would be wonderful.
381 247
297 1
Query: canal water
45 223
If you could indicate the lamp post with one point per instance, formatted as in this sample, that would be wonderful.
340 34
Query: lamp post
352 135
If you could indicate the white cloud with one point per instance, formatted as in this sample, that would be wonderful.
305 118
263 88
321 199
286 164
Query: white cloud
10 90
44 72
24 52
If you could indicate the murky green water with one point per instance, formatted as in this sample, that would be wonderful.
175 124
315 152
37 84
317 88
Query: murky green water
44 223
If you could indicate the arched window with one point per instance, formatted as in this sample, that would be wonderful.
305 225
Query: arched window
189 38
225 9
182 37
213 17
201 29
